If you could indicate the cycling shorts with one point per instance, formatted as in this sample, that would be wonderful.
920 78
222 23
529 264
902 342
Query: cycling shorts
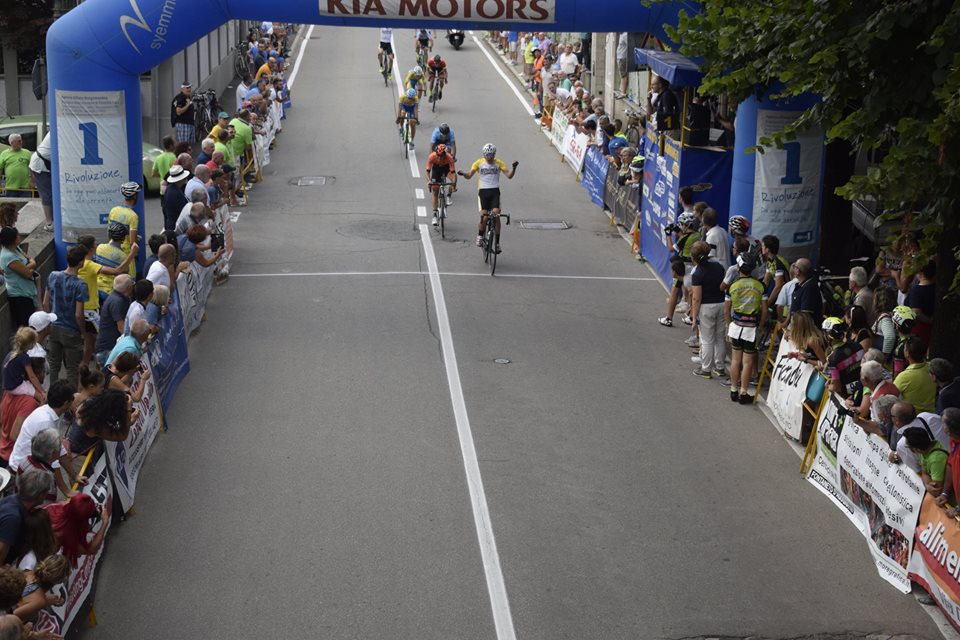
424 42
438 171
410 109
387 48
489 199
743 338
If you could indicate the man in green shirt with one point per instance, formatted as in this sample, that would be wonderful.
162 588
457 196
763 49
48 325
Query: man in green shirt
915 384
15 167
932 456
163 162
243 140
224 145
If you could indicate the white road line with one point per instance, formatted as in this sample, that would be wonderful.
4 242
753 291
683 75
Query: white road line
422 212
503 75
414 167
527 276
296 65
419 193
496 588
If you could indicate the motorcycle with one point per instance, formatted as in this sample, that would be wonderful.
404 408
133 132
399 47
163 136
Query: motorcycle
456 37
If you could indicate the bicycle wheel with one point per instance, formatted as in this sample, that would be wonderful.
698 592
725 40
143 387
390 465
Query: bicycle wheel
406 139
493 251
443 215
487 244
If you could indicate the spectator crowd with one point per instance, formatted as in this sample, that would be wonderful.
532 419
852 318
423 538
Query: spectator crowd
68 380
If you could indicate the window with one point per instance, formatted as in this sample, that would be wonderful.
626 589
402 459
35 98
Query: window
27 131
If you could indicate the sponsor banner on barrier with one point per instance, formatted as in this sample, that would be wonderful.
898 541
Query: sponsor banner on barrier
57 619
127 457
661 190
559 129
935 562
595 175
887 500
627 204
788 386
194 286
574 148
610 192
786 200
537 11
825 472
169 359
92 152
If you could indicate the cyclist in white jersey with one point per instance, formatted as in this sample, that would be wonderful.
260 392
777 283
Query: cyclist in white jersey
489 167
386 52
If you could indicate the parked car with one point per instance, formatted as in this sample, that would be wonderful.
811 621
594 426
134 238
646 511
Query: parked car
29 128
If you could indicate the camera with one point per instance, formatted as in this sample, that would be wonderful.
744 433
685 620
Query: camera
671 229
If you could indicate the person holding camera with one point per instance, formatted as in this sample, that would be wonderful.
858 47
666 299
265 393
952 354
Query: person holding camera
682 247
193 246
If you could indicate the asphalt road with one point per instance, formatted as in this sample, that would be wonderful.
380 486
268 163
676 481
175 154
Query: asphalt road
313 485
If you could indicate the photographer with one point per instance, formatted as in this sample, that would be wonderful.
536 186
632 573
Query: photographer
681 247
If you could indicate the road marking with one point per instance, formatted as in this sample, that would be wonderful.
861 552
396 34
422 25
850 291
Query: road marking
422 212
296 65
419 193
527 276
503 75
414 167
496 588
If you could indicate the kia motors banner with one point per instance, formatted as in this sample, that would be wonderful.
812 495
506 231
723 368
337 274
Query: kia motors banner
57 619
886 498
788 385
92 134
935 562
127 457
534 11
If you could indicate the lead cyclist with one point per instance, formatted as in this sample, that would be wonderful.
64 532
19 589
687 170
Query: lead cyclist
385 54
489 167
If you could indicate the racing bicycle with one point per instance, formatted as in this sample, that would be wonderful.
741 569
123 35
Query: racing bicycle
488 242
442 187
205 110
435 91
385 64
405 135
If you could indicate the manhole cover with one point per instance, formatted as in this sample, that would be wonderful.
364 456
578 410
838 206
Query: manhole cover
312 181
501 361
544 225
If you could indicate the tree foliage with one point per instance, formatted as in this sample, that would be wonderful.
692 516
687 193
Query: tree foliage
24 23
889 75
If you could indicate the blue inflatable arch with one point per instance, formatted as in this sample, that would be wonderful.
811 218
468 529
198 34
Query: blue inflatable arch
97 51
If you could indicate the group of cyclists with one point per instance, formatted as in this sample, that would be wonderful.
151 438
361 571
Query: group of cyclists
441 168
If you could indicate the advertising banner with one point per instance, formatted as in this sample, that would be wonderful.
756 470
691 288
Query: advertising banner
661 189
935 562
627 204
887 499
92 152
559 128
169 359
595 175
786 197
194 286
535 11
127 457
788 386
574 148
57 619
610 192
825 471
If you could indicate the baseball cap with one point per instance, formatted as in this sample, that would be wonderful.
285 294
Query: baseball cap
223 114
185 85
40 320
37 351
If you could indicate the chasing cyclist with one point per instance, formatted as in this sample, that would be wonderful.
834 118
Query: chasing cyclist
409 108
423 42
385 55
440 164
489 167
437 67
414 80
444 135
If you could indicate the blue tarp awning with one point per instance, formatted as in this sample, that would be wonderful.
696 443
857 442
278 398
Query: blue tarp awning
678 70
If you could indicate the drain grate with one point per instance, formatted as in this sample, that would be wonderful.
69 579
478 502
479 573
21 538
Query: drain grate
312 181
544 225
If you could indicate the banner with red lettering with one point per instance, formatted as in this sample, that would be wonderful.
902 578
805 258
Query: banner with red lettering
535 11
935 562
574 148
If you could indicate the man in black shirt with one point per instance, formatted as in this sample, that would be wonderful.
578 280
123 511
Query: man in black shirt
182 116
948 386
806 295
707 306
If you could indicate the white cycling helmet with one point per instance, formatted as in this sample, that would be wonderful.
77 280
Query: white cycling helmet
489 150
129 189
686 219
417 71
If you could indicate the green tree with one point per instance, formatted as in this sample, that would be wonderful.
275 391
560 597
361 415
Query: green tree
889 75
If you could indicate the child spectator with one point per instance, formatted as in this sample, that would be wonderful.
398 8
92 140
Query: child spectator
17 367
47 574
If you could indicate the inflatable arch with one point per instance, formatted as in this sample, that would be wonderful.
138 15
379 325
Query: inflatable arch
97 51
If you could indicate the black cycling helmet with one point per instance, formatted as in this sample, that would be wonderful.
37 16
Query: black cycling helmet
444 128
437 59
117 231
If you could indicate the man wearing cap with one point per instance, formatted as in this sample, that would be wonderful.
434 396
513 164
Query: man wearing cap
222 119
41 321
183 116
126 216
174 198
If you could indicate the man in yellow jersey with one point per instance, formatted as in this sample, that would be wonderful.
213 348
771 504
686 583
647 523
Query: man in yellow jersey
110 254
489 167
408 108
125 215
414 80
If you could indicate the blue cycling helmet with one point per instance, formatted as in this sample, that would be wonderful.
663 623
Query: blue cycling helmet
411 93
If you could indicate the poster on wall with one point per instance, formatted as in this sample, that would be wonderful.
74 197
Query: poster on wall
787 183
92 151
